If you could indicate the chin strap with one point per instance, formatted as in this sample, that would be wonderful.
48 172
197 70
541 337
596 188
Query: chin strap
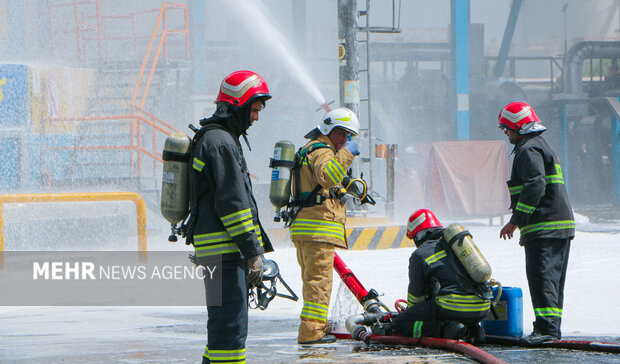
245 137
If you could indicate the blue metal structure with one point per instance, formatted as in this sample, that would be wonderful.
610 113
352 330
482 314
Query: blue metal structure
15 28
564 136
511 24
198 11
615 156
459 36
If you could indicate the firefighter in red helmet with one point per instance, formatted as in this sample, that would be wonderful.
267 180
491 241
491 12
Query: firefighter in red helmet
442 300
542 212
224 225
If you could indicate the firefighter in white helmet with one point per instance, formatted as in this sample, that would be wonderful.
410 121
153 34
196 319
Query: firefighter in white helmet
542 212
320 225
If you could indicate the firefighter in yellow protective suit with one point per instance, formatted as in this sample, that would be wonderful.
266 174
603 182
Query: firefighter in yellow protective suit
319 227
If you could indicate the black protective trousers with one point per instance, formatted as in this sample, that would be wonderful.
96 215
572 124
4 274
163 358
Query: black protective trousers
546 262
227 325
425 319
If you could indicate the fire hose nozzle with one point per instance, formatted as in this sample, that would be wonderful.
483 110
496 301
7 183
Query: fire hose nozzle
325 106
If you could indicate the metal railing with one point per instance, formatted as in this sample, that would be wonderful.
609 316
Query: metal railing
162 44
88 18
77 197
139 116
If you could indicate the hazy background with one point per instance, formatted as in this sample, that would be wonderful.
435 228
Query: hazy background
411 99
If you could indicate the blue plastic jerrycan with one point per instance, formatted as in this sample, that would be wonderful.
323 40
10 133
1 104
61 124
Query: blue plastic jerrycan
509 310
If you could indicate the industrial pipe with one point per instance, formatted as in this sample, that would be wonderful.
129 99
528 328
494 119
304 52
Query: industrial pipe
80 197
356 325
574 58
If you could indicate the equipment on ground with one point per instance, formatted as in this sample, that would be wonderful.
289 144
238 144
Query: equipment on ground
282 164
261 295
175 180
508 321
373 315
460 240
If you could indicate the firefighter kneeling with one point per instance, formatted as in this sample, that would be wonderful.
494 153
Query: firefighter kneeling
448 295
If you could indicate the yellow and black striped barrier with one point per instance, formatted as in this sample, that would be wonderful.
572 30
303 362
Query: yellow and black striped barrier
360 238
382 237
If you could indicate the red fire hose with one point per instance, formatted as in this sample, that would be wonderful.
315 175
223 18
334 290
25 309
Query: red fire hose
429 342
371 304
347 276
564 344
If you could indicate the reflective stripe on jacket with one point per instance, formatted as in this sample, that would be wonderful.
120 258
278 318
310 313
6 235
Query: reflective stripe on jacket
324 222
227 220
432 273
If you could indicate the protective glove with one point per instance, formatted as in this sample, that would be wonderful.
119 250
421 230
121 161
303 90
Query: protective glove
352 147
255 271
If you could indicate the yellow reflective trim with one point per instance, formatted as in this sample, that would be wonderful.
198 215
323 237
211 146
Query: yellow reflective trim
198 164
435 257
549 225
241 228
243 214
316 305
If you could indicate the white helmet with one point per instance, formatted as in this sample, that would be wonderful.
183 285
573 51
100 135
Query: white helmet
340 117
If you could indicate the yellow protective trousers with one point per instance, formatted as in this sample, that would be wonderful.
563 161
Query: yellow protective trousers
316 260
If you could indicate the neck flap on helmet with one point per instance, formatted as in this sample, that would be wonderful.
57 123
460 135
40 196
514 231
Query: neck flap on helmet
534 127
236 120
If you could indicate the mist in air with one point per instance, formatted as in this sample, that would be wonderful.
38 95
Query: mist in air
293 45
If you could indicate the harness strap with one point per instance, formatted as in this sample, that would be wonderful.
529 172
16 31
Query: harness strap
301 200
460 236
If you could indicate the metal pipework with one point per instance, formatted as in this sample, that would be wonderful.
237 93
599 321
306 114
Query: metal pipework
356 325
574 58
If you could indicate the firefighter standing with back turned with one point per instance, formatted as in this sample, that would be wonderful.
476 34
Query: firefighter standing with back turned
225 212
320 225
542 212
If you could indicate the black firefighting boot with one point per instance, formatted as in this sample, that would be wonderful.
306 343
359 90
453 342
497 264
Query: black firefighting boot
475 335
453 330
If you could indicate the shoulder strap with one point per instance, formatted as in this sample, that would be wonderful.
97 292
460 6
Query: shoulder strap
313 198
190 220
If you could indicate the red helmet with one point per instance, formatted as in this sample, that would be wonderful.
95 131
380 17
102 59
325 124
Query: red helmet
240 87
516 114
420 220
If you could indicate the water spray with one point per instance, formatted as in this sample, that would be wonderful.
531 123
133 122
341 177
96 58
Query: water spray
259 26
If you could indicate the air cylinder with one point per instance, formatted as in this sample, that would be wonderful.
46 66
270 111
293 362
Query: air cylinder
468 254
282 163
175 178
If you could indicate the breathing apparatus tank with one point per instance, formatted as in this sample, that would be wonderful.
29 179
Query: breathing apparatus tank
467 253
175 180
282 163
